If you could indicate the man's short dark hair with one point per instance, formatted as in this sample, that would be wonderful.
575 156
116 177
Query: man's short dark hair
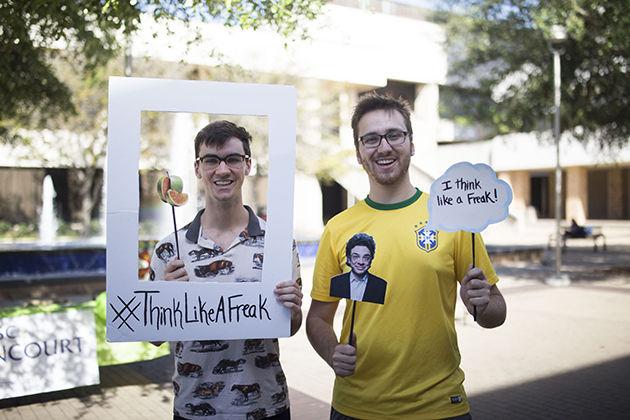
375 101
361 239
217 133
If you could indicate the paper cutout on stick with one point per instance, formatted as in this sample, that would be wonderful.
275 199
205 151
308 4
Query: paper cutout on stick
360 252
468 197
170 190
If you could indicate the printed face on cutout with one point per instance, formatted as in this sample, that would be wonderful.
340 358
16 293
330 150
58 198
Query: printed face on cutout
360 260
223 183
384 164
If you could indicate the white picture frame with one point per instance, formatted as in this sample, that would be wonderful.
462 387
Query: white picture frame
131 304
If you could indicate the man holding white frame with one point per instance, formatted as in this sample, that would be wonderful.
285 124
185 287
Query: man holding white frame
215 378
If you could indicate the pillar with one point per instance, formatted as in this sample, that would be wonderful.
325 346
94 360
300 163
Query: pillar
577 194
615 194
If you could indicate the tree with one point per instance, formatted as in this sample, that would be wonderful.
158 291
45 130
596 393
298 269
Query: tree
35 32
57 58
76 141
507 64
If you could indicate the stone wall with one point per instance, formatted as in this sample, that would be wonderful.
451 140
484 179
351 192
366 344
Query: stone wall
577 194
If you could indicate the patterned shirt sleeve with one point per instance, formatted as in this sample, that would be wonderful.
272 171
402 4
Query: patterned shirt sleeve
161 256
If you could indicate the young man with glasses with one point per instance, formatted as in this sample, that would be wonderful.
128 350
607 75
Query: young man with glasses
226 379
404 363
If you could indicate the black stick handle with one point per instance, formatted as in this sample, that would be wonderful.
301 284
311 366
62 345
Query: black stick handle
354 307
473 264
175 227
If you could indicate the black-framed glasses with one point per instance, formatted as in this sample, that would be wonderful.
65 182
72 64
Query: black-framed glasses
393 137
366 258
234 160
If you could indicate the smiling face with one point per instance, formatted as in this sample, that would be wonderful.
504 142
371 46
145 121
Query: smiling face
223 183
385 164
360 259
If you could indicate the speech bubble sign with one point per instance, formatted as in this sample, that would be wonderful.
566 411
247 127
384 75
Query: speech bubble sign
468 197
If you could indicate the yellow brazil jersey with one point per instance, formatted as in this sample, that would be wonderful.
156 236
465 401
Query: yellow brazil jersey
407 354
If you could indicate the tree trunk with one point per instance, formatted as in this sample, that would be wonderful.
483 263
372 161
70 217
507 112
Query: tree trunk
87 184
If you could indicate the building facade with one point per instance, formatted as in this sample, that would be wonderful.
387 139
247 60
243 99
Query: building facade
355 47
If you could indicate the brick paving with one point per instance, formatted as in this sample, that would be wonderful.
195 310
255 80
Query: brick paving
134 391
564 353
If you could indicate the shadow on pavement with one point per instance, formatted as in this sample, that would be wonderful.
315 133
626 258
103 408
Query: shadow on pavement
154 374
149 378
596 392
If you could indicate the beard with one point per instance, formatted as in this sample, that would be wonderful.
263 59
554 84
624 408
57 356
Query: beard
391 177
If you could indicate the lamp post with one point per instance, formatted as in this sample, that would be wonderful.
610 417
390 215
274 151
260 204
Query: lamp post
128 64
558 35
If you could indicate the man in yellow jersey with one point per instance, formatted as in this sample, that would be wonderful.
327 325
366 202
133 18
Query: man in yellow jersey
404 363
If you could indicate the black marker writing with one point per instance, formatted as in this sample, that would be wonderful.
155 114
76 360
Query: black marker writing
444 201
487 197
230 309
477 199
468 185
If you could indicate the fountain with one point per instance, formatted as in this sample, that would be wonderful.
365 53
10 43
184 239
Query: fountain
49 259
47 219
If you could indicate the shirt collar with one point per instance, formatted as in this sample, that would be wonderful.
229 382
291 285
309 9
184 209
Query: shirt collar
193 228
394 206
355 278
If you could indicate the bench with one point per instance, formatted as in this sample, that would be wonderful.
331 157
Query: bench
588 232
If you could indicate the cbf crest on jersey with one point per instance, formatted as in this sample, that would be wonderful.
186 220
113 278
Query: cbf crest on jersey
426 239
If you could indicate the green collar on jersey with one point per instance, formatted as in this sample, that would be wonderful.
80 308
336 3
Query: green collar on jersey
394 206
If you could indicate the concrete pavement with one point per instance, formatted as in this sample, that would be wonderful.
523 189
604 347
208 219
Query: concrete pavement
562 353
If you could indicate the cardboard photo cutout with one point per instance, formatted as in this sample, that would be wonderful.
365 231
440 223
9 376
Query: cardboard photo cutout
163 310
360 251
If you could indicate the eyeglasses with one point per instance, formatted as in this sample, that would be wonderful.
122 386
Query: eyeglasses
213 161
373 140
366 258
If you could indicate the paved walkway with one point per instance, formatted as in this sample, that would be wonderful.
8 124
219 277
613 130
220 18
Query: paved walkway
564 353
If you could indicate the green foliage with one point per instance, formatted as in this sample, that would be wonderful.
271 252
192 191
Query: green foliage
57 58
507 58
76 230
17 230
35 32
